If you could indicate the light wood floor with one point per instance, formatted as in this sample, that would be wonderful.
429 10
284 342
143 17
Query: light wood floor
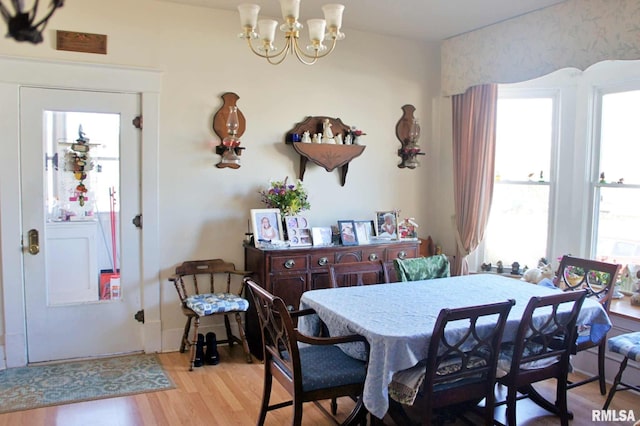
230 394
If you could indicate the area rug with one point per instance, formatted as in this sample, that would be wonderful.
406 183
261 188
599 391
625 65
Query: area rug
25 388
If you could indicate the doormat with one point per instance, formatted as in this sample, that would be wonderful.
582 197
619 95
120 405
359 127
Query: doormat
25 388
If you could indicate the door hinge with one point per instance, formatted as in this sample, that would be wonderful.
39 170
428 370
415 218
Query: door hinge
137 221
139 316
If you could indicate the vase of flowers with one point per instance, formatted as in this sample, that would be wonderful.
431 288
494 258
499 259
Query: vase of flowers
290 198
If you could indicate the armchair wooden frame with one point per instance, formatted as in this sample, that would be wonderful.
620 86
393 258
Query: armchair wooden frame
289 364
598 279
541 351
357 273
207 270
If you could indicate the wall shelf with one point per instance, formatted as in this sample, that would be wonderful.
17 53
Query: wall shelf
328 156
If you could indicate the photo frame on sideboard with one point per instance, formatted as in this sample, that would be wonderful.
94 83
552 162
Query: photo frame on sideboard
266 224
348 235
387 224
321 235
298 230
364 231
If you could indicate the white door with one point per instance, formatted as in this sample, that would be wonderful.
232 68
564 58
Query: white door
80 189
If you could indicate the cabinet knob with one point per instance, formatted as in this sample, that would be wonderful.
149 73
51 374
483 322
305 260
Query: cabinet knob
402 255
289 263
373 257
323 261
290 308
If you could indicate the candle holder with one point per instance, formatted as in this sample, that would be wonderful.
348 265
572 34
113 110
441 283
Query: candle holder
408 132
229 124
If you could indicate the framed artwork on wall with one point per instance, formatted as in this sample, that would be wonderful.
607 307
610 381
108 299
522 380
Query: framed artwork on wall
387 224
347 232
266 224
298 230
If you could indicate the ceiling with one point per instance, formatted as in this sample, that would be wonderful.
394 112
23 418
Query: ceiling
429 20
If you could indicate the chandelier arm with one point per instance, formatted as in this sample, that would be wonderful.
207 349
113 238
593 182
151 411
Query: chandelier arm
5 13
317 55
262 55
283 53
16 6
301 56
45 19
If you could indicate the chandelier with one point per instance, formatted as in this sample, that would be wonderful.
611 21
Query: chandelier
25 25
319 29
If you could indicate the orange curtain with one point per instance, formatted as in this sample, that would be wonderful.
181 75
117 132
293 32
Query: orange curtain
474 140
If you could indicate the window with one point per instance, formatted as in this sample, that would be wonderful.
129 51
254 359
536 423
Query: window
617 184
519 219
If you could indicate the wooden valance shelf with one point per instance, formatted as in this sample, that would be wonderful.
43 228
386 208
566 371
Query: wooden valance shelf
328 156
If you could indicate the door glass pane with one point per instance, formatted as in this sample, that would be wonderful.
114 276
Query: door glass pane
82 186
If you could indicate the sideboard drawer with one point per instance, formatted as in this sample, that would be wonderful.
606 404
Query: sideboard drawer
289 263
321 260
371 254
403 252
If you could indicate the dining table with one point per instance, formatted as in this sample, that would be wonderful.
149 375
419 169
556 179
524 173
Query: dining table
397 320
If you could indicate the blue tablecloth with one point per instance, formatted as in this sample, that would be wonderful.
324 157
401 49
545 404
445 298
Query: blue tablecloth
397 319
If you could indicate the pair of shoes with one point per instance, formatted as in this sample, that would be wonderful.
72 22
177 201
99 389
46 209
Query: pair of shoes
212 357
199 359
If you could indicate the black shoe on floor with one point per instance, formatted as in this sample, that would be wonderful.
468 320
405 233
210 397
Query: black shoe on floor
212 357
199 360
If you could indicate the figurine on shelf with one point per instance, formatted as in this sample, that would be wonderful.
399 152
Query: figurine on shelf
348 139
326 129
338 139
315 138
305 137
499 267
515 268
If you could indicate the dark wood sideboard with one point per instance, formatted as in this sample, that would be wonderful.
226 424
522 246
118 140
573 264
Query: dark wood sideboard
289 272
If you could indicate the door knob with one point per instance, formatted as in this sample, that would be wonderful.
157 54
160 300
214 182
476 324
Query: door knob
34 245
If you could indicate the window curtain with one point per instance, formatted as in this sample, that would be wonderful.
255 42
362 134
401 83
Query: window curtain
474 141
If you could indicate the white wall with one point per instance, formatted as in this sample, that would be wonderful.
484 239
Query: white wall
204 210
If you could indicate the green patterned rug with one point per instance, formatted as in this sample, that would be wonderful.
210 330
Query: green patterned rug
25 388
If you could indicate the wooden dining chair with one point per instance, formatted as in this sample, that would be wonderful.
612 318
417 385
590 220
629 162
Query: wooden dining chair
598 279
315 371
422 268
195 281
357 273
541 351
461 363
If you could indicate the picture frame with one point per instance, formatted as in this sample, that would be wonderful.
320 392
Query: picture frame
266 225
364 231
298 230
348 235
321 236
387 224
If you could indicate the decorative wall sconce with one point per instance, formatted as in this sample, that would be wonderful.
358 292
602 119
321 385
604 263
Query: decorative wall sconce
408 132
27 25
332 23
229 124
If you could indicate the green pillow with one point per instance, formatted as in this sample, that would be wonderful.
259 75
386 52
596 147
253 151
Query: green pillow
422 268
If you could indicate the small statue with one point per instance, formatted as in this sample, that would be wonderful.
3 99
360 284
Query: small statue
315 138
338 139
602 178
348 139
499 267
515 268
306 138
486 267
326 129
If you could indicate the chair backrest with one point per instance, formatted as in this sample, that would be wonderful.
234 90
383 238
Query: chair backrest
464 350
598 278
357 273
546 336
278 333
422 268
198 277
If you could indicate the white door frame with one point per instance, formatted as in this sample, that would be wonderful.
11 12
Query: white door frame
18 72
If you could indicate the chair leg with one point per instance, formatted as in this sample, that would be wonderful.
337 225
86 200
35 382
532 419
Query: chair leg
561 402
185 336
334 406
601 371
196 324
297 412
227 327
616 382
511 405
243 338
266 395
